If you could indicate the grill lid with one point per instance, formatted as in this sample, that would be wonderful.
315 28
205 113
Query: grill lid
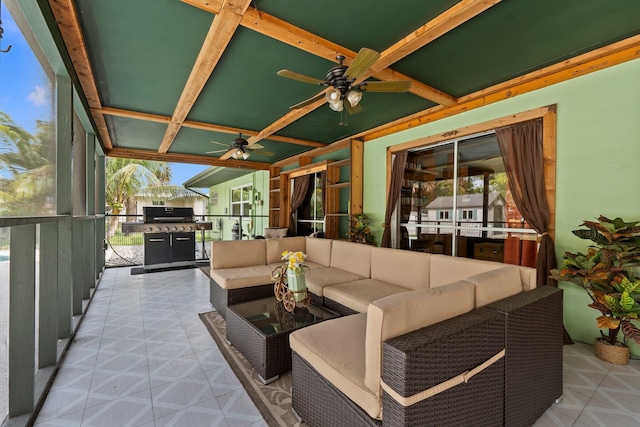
161 214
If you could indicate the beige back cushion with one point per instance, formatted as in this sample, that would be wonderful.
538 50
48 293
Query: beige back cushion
402 268
495 285
319 250
275 247
408 311
446 269
238 253
528 277
353 257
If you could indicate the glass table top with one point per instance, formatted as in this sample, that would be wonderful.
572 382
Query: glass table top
270 317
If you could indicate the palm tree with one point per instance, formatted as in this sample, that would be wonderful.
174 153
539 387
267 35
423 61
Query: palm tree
27 168
126 177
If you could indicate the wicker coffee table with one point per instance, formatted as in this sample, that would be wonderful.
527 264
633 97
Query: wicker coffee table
260 331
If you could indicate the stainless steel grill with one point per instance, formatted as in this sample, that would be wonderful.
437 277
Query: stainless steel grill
169 235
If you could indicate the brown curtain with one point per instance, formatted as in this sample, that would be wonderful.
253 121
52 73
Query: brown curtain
521 149
323 187
299 193
397 175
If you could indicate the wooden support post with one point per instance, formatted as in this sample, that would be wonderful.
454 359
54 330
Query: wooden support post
47 298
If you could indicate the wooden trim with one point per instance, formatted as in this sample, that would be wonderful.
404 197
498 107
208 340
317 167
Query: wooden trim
549 138
133 153
137 115
67 19
308 169
357 176
470 130
336 146
222 29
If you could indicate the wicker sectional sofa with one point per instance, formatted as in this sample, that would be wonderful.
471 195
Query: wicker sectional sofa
428 340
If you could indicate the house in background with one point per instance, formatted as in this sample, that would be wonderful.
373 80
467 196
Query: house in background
174 196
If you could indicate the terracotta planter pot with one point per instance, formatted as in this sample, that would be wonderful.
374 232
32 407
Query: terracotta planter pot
617 354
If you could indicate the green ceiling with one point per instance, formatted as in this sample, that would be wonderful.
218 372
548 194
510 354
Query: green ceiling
142 53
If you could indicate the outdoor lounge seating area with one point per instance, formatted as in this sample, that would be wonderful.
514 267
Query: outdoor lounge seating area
412 323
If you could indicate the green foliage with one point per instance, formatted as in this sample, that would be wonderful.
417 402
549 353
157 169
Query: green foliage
359 230
606 272
126 177
27 168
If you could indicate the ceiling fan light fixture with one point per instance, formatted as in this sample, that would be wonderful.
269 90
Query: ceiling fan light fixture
354 97
245 155
336 105
333 95
237 154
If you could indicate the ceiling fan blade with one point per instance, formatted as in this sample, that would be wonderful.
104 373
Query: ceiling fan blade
255 146
363 60
308 101
300 77
352 110
219 143
392 86
263 152
216 151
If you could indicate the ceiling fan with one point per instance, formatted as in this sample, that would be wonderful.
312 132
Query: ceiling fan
340 79
242 149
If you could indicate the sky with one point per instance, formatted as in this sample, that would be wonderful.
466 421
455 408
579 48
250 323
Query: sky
181 172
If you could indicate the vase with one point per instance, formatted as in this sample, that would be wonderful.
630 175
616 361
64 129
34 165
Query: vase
297 284
617 354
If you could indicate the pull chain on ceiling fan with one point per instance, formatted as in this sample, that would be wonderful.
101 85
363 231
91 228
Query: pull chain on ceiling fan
340 81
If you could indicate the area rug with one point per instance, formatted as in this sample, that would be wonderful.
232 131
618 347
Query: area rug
272 400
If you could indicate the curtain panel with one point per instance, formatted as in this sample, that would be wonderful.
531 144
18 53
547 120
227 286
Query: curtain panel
397 175
298 195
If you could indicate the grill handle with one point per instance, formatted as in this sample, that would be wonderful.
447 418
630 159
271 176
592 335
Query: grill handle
183 238
156 240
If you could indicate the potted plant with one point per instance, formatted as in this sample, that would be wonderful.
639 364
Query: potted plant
607 271
359 230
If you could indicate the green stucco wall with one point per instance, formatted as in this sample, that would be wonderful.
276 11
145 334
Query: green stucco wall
260 207
597 171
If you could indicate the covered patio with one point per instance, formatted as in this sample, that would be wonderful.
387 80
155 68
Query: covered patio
246 87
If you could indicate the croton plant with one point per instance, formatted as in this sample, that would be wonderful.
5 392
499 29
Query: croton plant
608 271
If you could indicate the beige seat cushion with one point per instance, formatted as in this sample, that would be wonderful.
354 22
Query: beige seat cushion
353 257
446 269
320 278
403 268
235 278
357 295
408 311
495 285
319 250
335 348
275 248
238 253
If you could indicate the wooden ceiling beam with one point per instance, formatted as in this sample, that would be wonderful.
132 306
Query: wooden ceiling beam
282 122
448 20
222 29
133 153
138 115
284 32
66 17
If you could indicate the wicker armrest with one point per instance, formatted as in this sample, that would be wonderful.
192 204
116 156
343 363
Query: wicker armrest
428 357
533 362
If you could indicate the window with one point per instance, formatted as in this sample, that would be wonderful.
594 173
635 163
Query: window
459 202
241 200
27 122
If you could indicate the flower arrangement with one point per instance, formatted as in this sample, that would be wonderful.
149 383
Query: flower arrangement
294 260
359 230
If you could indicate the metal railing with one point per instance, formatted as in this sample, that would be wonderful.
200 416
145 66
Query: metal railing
128 248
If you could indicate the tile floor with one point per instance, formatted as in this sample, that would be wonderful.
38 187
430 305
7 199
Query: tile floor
142 357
